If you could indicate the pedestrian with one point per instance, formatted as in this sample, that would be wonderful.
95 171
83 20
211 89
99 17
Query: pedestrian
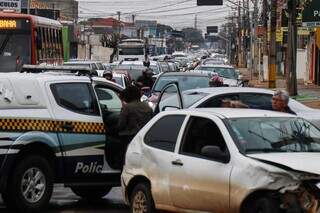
108 75
146 79
134 115
280 101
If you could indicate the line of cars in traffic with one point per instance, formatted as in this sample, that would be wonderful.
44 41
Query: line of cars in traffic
194 156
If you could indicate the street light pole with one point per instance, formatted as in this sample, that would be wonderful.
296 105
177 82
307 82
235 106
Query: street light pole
28 7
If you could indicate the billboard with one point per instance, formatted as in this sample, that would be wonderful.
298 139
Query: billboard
10 5
209 2
311 14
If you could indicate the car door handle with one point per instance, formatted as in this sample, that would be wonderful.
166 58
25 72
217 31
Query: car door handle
177 162
68 126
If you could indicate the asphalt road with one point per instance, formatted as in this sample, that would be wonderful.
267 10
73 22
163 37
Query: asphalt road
63 200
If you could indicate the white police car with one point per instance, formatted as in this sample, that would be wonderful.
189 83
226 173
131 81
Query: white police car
54 128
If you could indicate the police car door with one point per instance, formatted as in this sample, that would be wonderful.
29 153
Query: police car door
81 130
110 104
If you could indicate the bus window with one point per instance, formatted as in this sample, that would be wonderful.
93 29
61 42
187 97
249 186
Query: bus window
60 44
38 41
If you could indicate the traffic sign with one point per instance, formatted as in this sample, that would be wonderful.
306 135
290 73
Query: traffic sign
10 5
209 2
212 29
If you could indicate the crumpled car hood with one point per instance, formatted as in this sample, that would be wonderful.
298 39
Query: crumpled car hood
302 162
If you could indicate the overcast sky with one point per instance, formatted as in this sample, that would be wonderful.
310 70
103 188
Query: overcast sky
176 13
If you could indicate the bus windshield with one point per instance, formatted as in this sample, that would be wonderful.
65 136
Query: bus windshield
131 51
15 49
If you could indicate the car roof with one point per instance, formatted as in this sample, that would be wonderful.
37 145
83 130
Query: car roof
221 90
137 63
217 65
184 74
239 113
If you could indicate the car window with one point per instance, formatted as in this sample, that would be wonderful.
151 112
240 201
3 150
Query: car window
100 66
108 98
201 132
170 125
94 67
77 97
216 101
256 100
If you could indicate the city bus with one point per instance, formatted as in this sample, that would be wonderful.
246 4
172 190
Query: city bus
132 49
29 39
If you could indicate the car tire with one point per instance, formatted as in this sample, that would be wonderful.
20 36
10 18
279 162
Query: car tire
141 199
91 192
31 184
264 205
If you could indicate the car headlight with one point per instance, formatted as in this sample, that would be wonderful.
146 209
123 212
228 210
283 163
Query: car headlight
318 185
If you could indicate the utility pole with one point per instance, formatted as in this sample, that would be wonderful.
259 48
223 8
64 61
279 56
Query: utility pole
291 75
133 18
195 22
255 38
244 27
273 49
239 36
28 8
119 23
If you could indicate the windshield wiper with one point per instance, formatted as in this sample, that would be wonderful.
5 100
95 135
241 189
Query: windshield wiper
265 150
4 43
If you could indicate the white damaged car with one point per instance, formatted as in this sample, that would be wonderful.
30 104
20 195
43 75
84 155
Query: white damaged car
224 161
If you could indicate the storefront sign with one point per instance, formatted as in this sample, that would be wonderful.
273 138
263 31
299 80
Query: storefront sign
10 5
311 14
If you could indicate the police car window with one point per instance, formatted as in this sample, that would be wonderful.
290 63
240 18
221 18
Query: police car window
108 99
170 125
77 97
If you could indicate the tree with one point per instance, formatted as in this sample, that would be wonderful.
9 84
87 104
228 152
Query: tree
163 29
192 35
111 41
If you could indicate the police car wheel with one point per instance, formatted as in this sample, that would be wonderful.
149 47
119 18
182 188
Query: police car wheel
91 192
141 199
31 185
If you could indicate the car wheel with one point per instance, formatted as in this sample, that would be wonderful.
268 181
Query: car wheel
264 205
91 192
30 186
141 199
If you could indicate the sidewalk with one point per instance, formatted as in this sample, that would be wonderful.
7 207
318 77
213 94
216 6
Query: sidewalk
308 94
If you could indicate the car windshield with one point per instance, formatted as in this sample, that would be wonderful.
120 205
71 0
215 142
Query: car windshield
185 82
260 135
222 71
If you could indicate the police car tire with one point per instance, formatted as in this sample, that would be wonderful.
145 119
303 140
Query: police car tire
13 194
264 205
91 192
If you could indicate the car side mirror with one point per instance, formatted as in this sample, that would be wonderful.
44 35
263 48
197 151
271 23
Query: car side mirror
214 152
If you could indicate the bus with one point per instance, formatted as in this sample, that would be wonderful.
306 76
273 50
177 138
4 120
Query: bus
29 39
132 49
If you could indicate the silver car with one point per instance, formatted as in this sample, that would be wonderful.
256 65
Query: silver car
223 161
254 97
